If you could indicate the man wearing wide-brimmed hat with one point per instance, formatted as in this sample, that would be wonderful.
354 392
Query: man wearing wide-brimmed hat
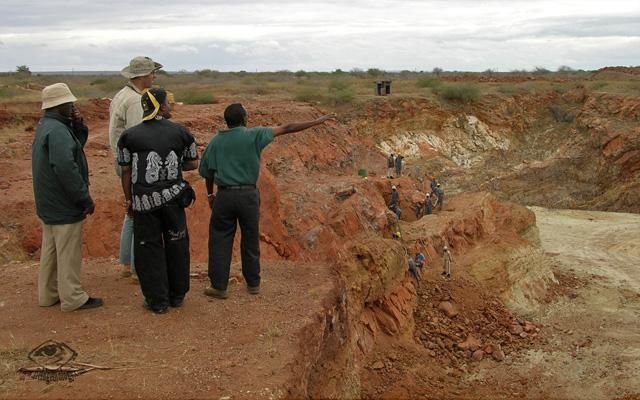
61 190
124 113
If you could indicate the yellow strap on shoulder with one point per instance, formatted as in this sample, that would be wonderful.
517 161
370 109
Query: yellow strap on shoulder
156 106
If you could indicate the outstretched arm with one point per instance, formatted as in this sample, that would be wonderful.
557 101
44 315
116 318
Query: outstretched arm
300 126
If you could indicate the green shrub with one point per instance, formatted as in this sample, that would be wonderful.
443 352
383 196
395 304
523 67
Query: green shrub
460 92
428 82
375 72
108 85
338 85
10 91
337 97
309 95
196 97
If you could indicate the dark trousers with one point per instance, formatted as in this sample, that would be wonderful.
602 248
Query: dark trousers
428 208
230 208
162 254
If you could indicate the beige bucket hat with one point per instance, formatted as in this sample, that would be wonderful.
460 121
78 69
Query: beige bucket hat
140 66
56 94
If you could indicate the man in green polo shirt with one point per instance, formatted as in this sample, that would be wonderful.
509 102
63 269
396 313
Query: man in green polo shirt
232 161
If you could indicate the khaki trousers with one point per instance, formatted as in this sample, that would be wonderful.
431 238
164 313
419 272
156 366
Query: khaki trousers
60 261
447 267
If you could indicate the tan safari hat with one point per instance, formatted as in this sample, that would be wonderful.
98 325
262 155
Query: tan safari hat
140 66
56 94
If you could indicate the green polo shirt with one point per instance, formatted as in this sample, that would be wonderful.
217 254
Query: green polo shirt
233 155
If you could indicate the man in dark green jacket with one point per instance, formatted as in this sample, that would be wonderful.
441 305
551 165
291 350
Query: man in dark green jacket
61 190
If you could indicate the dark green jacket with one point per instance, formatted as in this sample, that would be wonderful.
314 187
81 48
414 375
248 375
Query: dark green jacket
60 171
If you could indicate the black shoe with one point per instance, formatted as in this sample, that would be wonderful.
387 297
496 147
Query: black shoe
155 310
176 302
92 302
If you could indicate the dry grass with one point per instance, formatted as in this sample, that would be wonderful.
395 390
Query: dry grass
333 90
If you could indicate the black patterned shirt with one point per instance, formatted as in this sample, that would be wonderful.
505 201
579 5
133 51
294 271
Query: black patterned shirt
156 151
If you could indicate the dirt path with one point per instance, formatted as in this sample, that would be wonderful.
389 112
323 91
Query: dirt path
243 347
593 350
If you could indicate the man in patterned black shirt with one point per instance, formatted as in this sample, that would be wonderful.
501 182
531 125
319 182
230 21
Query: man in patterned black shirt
153 155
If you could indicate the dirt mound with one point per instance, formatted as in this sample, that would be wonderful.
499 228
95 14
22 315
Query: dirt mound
616 72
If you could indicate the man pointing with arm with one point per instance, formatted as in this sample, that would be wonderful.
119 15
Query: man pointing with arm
232 161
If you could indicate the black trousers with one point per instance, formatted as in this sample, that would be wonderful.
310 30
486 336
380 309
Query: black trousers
162 254
230 208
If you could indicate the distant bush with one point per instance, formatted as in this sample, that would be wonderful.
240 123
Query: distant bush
309 95
107 85
337 97
207 73
196 97
540 71
437 71
375 72
338 85
565 69
23 70
428 82
460 92
340 92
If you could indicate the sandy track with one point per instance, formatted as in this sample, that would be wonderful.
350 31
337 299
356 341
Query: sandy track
593 347
601 243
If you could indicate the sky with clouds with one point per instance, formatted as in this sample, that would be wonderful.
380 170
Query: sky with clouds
271 35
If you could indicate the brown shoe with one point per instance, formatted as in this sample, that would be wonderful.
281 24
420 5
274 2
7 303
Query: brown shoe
217 293
253 289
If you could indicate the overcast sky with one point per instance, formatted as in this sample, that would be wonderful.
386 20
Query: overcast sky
270 35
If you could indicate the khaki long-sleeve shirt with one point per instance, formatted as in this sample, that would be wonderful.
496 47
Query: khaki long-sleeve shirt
125 112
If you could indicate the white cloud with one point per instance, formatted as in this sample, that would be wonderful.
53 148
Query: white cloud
184 48
321 35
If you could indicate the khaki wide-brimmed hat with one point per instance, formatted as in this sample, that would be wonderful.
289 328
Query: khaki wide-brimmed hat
56 94
140 66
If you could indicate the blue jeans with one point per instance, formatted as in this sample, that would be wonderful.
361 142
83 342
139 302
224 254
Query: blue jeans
126 243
